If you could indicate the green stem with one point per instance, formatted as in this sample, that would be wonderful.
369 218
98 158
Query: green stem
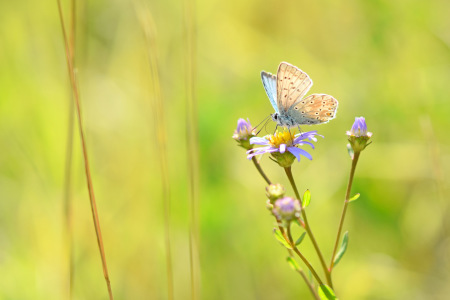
290 241
308 228
308 283
304 259
344 210
258 167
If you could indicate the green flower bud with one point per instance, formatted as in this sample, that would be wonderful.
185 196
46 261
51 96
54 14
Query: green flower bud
275 192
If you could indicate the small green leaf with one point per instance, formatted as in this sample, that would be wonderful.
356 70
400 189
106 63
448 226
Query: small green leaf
300 239
280 238
306 199
294 265
326 293
342 250
354 198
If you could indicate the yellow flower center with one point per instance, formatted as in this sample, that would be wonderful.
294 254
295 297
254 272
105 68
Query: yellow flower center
279 138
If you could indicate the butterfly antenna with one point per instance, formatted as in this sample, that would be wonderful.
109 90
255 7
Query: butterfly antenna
264 126
261 122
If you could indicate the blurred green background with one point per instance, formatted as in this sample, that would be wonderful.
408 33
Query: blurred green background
385 60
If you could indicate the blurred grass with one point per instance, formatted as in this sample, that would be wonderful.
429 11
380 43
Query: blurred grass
387 61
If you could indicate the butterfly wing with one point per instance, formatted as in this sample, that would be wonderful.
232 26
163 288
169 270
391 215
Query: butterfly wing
292 85
314 109
270 85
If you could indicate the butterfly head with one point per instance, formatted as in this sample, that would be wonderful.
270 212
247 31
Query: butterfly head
276 117
283 120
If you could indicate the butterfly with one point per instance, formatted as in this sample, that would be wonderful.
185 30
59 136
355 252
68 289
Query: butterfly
286 91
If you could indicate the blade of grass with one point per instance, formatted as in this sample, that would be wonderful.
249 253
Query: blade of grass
73 81
148 27
68 167
67 198
191 138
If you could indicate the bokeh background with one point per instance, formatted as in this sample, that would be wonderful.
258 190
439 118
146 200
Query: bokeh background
385 60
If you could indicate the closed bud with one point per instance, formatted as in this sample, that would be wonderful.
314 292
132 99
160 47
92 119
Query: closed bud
243 133
286 208
358 136
275 192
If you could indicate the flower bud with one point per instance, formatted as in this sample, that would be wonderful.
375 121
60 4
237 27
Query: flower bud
243 133
275 192
358 136
286 208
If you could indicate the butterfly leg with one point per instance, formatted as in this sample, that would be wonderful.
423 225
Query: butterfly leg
299 129
275 129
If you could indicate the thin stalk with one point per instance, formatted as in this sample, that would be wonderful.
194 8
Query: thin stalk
304 259
308 283
95 217
344 210
148 27
308 228
260 170
191 138
68 165
289 234
290 241
68 198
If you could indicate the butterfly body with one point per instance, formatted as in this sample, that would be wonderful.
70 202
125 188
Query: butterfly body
286 91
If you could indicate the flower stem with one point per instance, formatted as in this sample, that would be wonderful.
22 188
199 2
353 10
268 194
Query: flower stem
192 141
304 259
158 109
308 228
344 210
309 284
258 167
76 97
300 271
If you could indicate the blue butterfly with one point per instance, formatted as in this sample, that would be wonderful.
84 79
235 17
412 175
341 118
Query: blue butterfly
286 91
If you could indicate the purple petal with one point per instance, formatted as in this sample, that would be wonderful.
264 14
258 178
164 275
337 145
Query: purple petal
242 124
282 148
297 152
262 149
307 143
305 135
259 141
251 155
359 128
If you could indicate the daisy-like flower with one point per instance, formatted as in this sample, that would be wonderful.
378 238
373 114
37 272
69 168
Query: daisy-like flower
358 136
243 133
283 146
